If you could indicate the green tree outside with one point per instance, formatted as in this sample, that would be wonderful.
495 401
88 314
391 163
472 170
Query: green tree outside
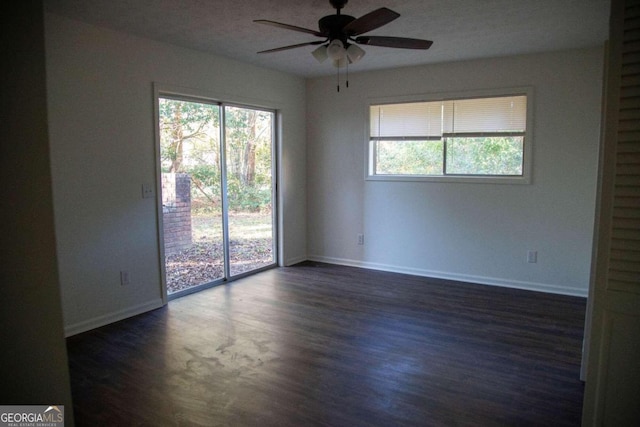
190 143
463 156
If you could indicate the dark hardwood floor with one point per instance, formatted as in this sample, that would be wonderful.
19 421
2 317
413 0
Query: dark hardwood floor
318 344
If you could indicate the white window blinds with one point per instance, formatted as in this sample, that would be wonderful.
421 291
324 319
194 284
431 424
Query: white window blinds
412 120
477 115
417 120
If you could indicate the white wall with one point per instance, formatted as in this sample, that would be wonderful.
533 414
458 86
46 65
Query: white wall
472 232
33 362
101 124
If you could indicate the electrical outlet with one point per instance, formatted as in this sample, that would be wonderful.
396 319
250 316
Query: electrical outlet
147 191
532 257
125 280
361 239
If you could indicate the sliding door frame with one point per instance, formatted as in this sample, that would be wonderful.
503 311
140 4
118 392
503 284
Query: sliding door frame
200 96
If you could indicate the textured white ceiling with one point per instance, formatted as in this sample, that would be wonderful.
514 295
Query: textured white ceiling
460 29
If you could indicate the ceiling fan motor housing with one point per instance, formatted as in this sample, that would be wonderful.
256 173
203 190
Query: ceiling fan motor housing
332 26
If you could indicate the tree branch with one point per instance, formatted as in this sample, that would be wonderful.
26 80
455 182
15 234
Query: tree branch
200 188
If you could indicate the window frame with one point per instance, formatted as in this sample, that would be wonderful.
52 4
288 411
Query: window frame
527 149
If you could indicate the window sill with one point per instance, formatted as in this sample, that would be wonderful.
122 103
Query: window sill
476 179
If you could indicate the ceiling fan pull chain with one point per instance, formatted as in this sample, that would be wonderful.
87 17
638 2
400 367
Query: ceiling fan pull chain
347 74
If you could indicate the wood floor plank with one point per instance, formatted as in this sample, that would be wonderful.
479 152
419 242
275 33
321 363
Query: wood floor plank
325 345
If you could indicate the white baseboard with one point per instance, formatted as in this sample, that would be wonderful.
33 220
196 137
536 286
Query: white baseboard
491 281
96 322
106 319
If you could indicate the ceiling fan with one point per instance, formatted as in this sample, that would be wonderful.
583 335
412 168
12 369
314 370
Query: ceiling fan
342 34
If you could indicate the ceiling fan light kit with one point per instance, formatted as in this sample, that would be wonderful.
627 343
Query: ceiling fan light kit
336 50
355 53
320 54
341 63
342 34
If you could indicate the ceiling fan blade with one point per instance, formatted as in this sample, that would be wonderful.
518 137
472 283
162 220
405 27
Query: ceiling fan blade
289 27
293 46
370 21
401 42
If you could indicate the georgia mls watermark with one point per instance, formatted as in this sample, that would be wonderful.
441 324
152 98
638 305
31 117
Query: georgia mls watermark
31 415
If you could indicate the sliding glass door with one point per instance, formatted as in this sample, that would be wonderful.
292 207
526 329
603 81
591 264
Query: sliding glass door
249 136
218 191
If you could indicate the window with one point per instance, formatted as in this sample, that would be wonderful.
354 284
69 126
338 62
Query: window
458 138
